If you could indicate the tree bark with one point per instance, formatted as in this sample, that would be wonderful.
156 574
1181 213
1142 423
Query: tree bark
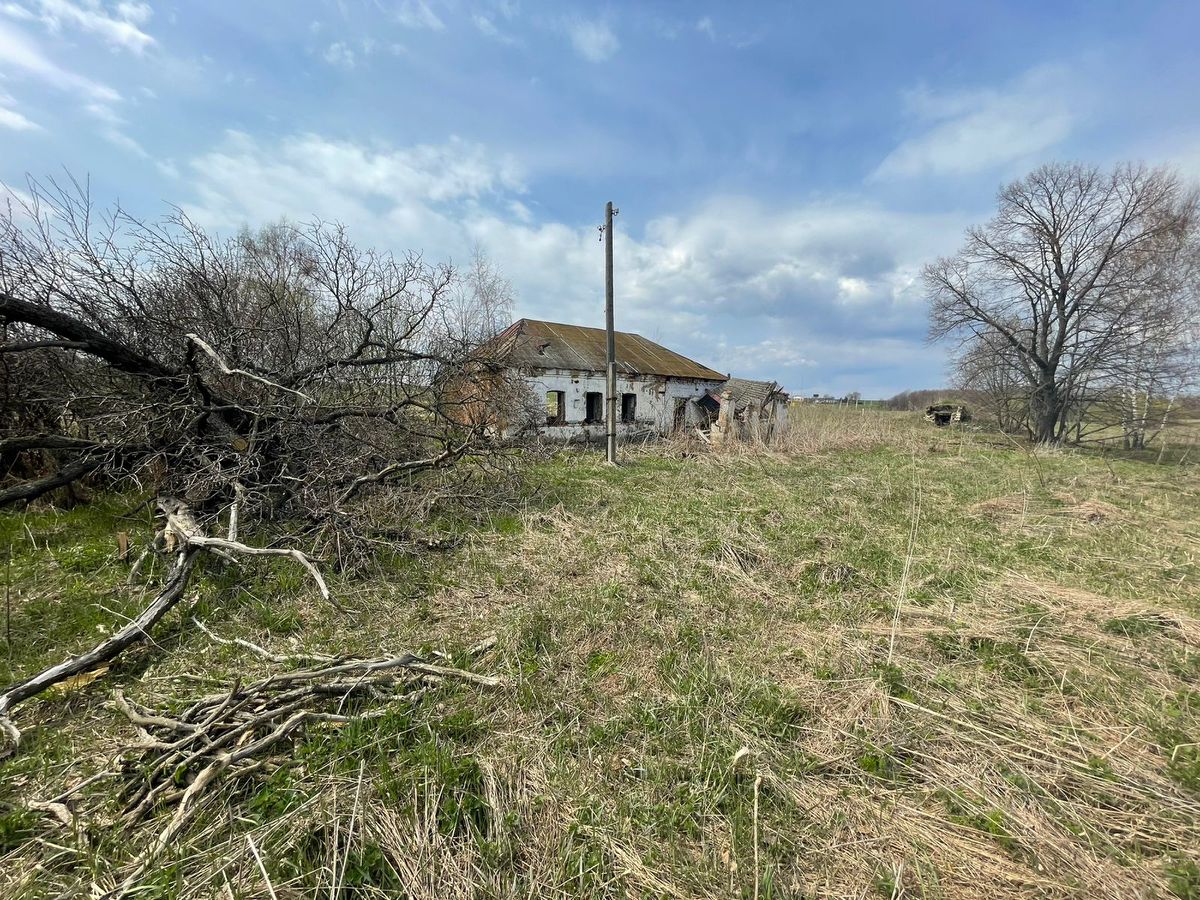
1047 411
87 339
31 490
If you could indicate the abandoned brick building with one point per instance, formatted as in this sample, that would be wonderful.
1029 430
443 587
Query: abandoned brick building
659 390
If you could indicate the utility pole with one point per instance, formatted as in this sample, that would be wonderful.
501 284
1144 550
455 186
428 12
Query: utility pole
609 212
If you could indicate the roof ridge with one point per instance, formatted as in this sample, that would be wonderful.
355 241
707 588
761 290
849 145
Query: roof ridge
636 352
589 327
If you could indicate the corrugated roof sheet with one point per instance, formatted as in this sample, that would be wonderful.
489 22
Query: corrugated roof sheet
744 391
534 344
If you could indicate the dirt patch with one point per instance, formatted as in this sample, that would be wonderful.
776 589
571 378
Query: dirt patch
1021 507
1094 512
1000 507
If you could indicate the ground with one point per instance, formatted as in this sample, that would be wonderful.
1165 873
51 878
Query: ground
904 662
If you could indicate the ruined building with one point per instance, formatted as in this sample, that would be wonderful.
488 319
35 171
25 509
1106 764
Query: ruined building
659 390
749 410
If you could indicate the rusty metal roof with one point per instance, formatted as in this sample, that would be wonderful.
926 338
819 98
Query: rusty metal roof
534 344
744 391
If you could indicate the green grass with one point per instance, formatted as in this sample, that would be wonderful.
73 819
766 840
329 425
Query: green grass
718 676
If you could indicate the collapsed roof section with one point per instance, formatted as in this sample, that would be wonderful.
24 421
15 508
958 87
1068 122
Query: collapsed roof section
743 392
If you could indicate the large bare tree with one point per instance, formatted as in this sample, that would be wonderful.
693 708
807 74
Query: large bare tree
1066 279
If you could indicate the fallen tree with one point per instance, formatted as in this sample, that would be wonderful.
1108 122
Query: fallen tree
289 363
284 382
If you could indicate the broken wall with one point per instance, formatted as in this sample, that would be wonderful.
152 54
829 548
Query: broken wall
662 404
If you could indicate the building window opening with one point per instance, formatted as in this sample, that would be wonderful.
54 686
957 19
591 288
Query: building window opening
556 408
594 412
680 416
628 407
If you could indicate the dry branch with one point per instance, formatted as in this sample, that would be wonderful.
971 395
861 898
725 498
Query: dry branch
31 490
224 369
234 732
181 526
183 536
104 652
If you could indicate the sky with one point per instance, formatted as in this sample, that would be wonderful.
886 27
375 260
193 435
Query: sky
783 170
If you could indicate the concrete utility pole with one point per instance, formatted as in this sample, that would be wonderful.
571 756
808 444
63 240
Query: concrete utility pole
609 212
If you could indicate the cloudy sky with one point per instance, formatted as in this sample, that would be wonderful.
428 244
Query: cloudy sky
782 170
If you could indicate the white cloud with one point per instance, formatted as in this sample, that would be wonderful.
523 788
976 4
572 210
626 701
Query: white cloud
594 41
112 126
17 205
488 28
705 26
771 352
120 26
21 54
975 130
307 175
418 14
762 290
10 118
118 138
339 54
16 11
13 119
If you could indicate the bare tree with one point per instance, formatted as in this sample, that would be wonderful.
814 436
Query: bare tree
284 377
1064 277
481 304
1140 386
987 372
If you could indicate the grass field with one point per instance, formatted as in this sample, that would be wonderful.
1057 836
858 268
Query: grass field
898 662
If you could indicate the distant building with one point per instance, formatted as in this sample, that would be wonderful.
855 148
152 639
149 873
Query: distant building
659 391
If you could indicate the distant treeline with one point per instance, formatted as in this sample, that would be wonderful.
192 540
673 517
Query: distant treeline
914 400
977 401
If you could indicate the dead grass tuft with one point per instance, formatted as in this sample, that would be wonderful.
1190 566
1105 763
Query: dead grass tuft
1094 512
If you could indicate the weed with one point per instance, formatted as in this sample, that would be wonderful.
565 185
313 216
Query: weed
16 827
888 764
892 677
1183 878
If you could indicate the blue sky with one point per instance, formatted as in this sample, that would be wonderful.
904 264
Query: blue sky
783 170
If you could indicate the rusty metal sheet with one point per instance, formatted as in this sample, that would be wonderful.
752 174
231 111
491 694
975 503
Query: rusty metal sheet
536 344
744 391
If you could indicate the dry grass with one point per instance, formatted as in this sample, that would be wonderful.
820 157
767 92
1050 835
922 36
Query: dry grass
812 429
742 675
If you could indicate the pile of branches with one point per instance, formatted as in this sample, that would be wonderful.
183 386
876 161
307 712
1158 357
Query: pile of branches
239 732
182 755
284 383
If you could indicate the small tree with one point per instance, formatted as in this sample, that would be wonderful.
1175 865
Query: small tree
986 370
